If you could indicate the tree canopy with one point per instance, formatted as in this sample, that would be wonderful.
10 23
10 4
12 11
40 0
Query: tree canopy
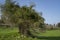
25 17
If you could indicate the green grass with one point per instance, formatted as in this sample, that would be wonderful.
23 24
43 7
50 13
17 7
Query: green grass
8 33
12 34
51 33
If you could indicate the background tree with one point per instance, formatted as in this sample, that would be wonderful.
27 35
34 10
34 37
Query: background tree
58 24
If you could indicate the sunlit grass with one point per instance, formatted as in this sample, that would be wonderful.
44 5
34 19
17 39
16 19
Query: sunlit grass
51 33
12 34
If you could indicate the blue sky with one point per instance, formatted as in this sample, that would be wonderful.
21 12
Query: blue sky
49 8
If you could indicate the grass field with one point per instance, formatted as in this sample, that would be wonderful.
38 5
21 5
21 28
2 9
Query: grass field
12 34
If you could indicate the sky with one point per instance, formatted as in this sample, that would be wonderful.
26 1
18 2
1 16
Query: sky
49 8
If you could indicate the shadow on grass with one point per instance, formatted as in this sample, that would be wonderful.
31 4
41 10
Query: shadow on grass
48 38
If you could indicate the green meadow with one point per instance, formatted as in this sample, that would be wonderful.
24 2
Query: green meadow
12 34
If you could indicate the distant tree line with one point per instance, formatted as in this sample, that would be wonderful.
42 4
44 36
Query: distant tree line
52 26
